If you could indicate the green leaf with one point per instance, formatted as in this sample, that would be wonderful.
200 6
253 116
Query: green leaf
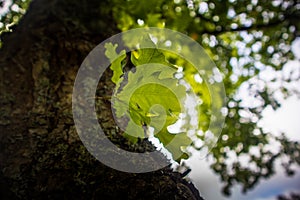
149 95
153 98
175 143
116 60
144 56
148 55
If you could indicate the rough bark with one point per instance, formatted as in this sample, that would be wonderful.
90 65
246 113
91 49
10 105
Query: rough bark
41 156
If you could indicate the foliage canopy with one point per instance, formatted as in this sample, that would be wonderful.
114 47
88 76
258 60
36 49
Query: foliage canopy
243 38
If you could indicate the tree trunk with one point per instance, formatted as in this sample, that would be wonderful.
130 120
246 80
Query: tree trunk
41 155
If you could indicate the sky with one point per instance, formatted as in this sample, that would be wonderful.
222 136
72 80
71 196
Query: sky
285 119
209 184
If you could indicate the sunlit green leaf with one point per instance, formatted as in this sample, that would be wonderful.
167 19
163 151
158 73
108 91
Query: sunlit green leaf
116 60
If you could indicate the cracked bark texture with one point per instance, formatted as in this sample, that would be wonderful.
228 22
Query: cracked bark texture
41 155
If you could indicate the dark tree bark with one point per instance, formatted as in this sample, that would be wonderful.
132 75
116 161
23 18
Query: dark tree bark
41 156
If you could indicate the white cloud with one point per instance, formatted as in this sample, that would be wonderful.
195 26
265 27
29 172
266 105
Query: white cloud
296 47
285 119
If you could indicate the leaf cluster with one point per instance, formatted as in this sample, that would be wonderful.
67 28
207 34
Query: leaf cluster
151 97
